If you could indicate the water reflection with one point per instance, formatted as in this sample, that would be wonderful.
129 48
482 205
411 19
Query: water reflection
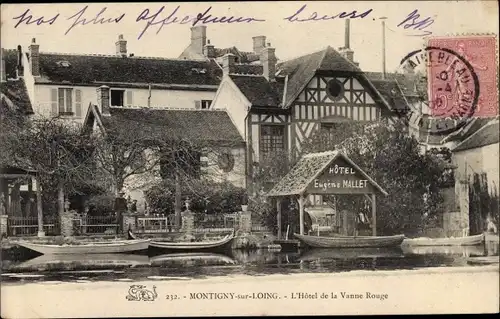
191 260
464 251
79 262
326 254
256 262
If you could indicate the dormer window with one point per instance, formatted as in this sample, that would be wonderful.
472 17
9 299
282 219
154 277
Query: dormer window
64 64
205 104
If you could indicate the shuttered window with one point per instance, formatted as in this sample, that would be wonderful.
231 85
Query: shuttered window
65 101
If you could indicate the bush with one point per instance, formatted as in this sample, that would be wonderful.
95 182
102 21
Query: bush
206 197
101 205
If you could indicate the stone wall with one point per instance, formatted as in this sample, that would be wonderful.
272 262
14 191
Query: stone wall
3 225
67 223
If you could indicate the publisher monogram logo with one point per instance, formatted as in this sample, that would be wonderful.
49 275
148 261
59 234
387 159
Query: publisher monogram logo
141 293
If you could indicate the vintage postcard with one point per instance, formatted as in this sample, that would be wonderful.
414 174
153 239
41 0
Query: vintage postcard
249 158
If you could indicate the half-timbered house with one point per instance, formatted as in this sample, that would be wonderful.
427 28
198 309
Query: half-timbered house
290 101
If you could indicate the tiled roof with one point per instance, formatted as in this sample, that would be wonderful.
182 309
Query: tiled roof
15 92
253 69
258 90
467 130
90 69
302 69
308 168
488 134
212 127
426 123
244 57
409 83
393 94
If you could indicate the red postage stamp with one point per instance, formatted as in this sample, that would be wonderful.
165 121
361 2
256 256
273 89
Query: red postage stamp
463 76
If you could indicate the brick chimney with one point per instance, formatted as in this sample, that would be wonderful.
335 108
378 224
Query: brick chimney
121 46
209 50
103 97
198 38
228 62
268 60
20 63
259 43
346 51
34 50
2 70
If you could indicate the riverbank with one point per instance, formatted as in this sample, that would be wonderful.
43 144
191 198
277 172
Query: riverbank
432 290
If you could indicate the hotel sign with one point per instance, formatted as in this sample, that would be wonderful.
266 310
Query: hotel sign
340 178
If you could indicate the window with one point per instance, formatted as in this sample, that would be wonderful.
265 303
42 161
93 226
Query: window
117 97
329 130
334 89
205 104
65 101
272 139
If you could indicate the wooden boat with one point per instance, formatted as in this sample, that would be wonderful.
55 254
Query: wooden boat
352 253
450 241
190 246
110 247
351 241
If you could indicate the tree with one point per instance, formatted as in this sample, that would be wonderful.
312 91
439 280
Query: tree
53 148
122 152
392 158
130 150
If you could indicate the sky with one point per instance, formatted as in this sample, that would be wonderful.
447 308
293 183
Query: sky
291 39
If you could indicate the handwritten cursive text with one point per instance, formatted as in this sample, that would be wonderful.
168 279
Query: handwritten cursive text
28 19
205 17
414 22
154 19
314 16
78 18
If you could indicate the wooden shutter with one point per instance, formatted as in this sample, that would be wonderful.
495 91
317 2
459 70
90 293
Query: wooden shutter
69 100
129 101
60 101
53 102
78 103
197 105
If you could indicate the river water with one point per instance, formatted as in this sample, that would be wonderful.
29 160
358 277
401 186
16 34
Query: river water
131 267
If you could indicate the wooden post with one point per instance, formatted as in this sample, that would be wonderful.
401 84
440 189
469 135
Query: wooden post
278 216
39 208
301 213
374 214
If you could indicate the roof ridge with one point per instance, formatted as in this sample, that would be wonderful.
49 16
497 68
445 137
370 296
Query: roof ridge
120 57
300 56
322 153
162 108
492 122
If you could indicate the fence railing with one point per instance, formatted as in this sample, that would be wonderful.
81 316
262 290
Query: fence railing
156 224
28 226
258 228
95 224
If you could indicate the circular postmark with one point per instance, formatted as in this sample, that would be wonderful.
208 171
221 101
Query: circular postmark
447 86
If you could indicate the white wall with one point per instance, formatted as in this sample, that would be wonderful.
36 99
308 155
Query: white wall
159 98
479 160
229 98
